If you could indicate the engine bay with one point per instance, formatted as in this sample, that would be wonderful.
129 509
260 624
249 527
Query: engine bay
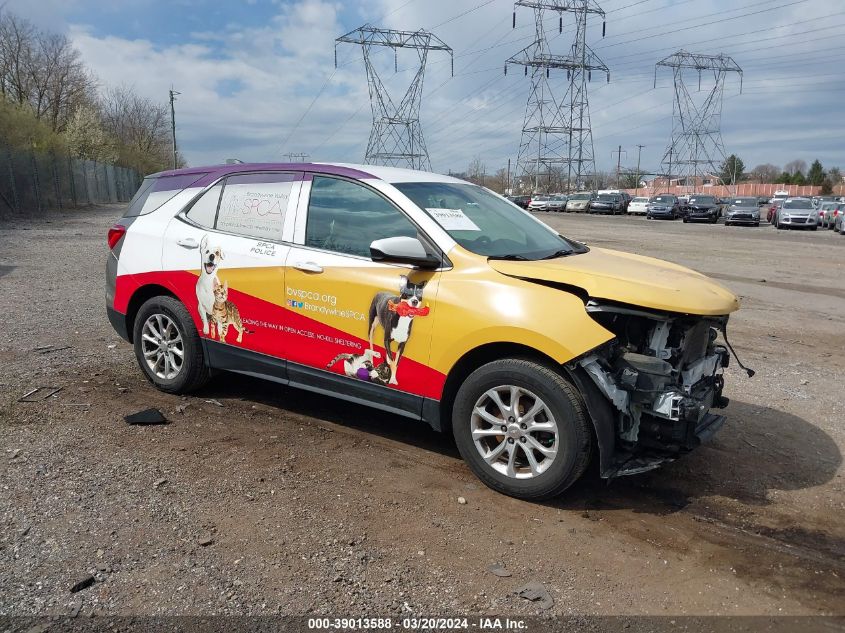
663 374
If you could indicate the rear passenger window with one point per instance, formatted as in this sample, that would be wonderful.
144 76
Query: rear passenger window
156 190
346 217
204 210
254 205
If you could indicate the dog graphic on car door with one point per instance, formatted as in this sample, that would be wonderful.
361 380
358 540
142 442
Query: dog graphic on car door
395 315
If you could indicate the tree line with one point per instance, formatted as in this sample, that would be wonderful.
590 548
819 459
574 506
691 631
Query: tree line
794 172
50 101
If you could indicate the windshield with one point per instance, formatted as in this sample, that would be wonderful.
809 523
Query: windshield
608 197
539 198
668 199
640 200
702 200
796 204
580 196
745 202
485 224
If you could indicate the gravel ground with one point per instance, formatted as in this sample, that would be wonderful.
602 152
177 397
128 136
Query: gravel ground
257 499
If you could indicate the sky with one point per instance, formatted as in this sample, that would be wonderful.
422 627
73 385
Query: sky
258 80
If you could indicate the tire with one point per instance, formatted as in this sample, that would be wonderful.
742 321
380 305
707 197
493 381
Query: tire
167 314
685 220
573 438
727 223
757 224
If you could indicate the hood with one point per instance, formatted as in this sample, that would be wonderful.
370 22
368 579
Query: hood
631 279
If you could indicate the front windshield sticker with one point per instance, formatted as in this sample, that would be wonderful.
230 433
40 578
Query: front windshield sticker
452 219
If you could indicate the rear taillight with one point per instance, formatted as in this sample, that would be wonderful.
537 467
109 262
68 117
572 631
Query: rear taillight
115 233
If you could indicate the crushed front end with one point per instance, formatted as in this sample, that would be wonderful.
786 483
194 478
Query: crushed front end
661 375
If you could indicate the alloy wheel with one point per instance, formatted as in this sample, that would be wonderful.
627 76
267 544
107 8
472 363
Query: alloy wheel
514 431
162 346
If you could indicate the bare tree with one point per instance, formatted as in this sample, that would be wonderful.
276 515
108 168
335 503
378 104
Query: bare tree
477 171
500 181
138 124
16 52
43 70
795 167
765 173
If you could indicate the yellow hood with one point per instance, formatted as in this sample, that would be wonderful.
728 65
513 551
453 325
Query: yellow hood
631 279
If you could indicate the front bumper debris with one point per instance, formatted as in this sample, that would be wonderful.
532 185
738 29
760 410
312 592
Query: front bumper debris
662 375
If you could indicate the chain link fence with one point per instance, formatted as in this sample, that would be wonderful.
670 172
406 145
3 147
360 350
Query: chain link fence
32 182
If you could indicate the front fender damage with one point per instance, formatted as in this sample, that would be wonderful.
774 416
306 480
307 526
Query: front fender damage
650 390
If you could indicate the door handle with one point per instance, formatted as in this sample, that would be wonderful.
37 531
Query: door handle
308 267
188 242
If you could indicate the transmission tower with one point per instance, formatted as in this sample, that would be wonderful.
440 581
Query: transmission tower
556 132
696 146
396 138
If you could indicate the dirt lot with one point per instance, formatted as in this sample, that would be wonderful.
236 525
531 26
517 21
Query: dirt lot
271 500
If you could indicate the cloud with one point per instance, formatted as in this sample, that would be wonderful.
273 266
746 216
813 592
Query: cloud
246 85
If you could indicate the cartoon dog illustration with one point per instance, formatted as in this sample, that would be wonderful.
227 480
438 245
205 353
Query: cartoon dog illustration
395 314
225 313
210 258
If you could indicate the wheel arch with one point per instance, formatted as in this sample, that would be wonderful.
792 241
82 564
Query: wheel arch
597 407
139 297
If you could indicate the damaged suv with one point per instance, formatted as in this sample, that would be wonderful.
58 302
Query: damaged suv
428 297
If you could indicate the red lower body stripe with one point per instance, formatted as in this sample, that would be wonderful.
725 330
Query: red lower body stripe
284 333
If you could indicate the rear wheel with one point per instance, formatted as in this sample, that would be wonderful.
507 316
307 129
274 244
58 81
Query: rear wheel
522 428
168 347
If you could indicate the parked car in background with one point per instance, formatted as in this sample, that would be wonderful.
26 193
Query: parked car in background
538 203
779 196
556 203
665 206
818 201
520 201
839 222
828 213
797 213
771 214
744 210
580 202
606 203
702 209
762 201
638 206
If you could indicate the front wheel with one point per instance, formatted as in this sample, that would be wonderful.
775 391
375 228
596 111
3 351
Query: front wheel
522 428
168 347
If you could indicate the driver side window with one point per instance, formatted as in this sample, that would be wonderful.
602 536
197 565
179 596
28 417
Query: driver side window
346 217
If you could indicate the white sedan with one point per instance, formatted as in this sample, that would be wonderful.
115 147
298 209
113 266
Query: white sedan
638 206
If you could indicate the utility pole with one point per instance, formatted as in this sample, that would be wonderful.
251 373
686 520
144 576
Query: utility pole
639 153
556 130
173 94
618 153
296 157
396 138
669 177
509 177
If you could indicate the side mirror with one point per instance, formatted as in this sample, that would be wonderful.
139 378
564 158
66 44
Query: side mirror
403 250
